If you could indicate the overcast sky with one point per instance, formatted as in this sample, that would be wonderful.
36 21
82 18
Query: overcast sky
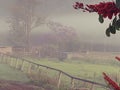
62 11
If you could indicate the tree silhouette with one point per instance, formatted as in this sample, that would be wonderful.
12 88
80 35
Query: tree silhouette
22 21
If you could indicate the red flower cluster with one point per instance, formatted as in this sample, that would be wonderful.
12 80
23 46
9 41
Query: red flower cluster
106 9
78 5
113 84
118 58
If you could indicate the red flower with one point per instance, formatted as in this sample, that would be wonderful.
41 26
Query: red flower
106 9
118 58
112 83
78 5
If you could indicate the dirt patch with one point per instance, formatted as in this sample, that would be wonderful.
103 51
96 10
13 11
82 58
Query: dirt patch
11 85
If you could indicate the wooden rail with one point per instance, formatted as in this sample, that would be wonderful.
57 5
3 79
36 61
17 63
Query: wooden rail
10 62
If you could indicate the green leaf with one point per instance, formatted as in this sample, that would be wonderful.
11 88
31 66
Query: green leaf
101 20
114 21
118 3
117 25
112 29
108 32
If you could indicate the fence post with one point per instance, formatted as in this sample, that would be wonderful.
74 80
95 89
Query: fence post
59 79
22 67
29 68
6 59
38 68
16 66
47 70
7 62
2 58
11 61
39 71
92 86
72 83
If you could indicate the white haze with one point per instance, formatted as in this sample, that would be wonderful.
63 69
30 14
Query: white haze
62 11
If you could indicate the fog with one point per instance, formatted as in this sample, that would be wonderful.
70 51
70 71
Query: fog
86 24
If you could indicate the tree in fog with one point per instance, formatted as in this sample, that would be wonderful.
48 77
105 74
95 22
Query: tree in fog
22 21
67 38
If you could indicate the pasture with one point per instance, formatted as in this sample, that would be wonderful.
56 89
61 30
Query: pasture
88 66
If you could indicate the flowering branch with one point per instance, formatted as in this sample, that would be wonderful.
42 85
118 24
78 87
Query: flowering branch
110 82
104 10
118 58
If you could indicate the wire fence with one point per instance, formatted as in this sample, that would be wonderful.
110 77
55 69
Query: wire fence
45 74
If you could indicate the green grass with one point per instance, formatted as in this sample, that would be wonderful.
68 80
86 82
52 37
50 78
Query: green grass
7 73
87 67
74 67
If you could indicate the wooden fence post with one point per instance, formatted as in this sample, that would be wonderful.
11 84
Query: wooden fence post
6 60
16 66
2 58
72 83
22 67
38 68
39 71
92 85
59 79
47 70
14 62
29 68
11 61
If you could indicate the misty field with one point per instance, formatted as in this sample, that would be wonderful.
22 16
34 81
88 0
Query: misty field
7 73
89 66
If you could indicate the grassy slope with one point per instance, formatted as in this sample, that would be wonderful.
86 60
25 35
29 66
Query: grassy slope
82 69
7 73
85 67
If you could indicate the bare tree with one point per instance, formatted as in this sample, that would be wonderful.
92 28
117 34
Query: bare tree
23 20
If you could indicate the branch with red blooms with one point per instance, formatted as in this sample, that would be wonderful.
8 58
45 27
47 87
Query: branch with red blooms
117 58
110 82
110 10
